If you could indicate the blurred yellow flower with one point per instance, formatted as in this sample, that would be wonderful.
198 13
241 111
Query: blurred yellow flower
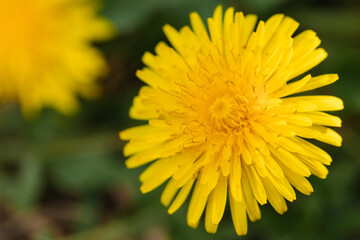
221 117
46 56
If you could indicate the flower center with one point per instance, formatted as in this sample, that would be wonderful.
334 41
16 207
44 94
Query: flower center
222 101
220 109
230 113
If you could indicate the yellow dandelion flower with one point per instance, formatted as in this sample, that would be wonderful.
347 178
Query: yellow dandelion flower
46 56
221 118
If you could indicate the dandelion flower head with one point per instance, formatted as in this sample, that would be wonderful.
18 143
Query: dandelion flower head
223 125
46 56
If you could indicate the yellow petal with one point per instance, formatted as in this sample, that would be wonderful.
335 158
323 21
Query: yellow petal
252 207
174 38
238 214
291 161
217 202
323 103
197 205
271 26
235 180
319 81
198 25
275 198
315 167
312 151
181 197
283 186
307 62
168 193
256 184
321 118
299 182
293 87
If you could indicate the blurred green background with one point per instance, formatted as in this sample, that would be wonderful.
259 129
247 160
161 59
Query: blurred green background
64 177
